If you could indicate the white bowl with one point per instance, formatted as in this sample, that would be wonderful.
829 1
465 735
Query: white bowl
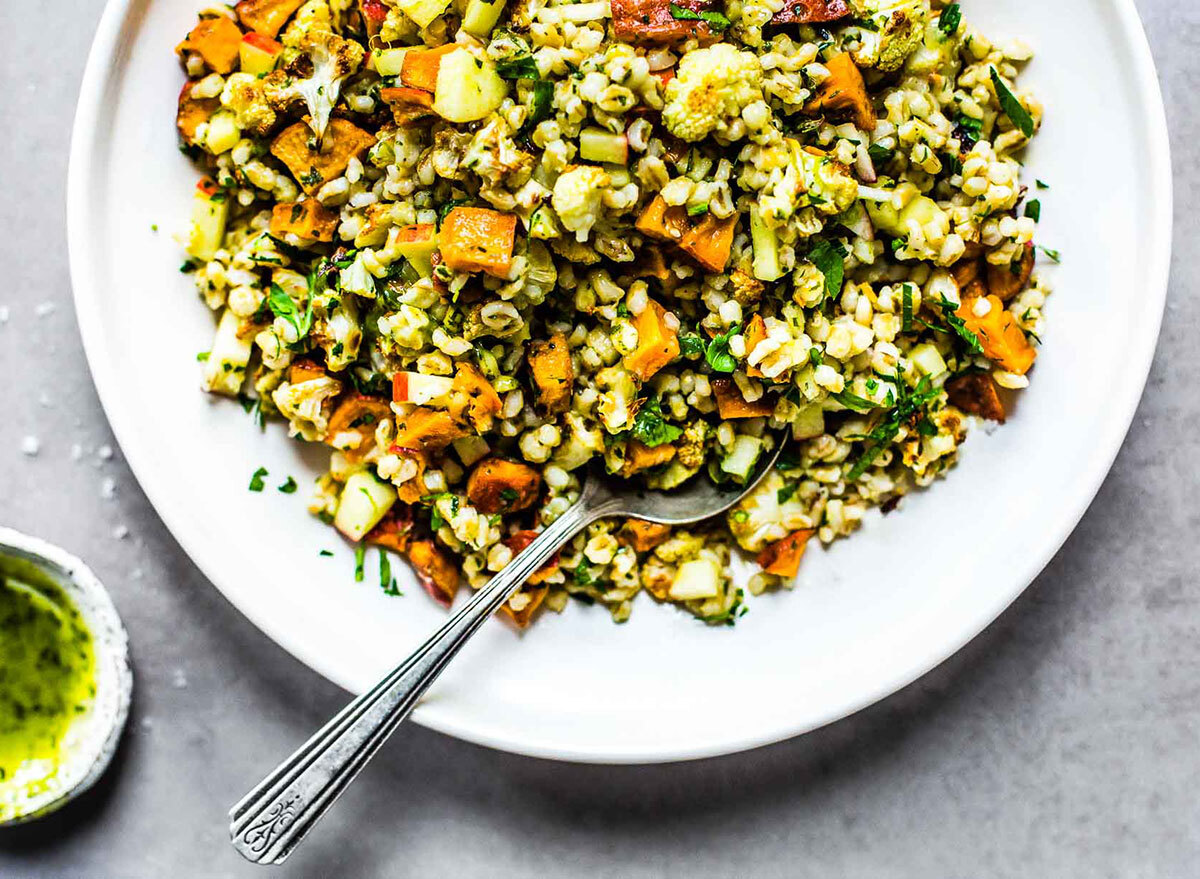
92 739
866 618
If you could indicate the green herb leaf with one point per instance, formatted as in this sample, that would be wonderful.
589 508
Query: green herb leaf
1042 185
906 308
289 487
697 210
950 20
1054 255
1012 107
785 494
717 355
715 20
539 104
203 356
830 258
360 558
854 401
958 326
256 481
518 68
880 155
283 306
691 344
650 427
386 582
582 576
1034 210
325 553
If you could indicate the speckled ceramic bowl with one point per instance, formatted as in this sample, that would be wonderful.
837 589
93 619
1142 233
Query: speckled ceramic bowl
93 737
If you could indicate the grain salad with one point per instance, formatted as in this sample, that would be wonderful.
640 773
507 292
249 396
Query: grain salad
480 248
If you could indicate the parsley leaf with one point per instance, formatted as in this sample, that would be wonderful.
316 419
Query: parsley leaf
854 401
386 581
950 20
906 309
360 558
288 487
958 326
1053 254
785 494
650 428
256 481
518 68
715 20
909 407
283 306
1012 107
539 104
1033 210
830 258
718 355
691 345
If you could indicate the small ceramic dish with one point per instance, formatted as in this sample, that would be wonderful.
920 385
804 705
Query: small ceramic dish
91 738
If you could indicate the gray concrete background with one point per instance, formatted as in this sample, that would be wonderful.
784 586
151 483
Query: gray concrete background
1063 742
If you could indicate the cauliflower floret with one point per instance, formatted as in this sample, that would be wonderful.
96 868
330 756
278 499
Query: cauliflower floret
246 97
617 393
711 88
577 198
761 519
808 178
311 18
333 59
307 405
898 29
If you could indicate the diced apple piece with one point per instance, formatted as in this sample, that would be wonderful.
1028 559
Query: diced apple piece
742 457
699 578
468 87
374 14
417 244
598 145
809 423
481 16
471 449
210 212
422 390
364 502
225 368
223 133
423 12
259 53
389 62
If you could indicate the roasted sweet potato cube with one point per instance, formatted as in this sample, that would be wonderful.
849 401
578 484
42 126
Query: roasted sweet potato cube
420 67
304 369
407 104
217 40
966 271
436 571
756 331
639 457
478 240
651 264
266 17
811 11
308 219
1005 282
731 404
314 168
844 91
783 556
518 542
553 373
976 394
650 21
642 536
658 343
1001 336
474 397
394 531
522 606
353 422
427 430
193 111
663 222
500 486
710 241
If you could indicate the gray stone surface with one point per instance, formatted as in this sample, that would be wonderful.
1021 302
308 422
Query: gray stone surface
1062 743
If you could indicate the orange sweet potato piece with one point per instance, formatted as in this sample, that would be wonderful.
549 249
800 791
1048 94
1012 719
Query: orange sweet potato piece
966 271
474 396
811 11
710 241
518 542
193 111
1005 282
976 394
844 90
217 40
305 369
266 17
478 240
437 573
427 430
307 219
1002 338
408 104
420 67
651 264
639 457
650 21
395 529
522 606
410 491
783 556
553 374
314 168
353 422
731 404
658 344
665 223
500 486
642 536
756 331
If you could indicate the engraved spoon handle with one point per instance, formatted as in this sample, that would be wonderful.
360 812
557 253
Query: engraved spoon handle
273 818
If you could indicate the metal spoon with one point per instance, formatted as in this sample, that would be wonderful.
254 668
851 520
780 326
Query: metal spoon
272 819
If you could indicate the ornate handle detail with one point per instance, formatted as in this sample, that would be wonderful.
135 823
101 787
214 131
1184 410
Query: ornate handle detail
273 818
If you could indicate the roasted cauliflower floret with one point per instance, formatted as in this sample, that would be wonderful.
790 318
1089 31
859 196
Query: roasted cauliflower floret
578 194
307 406
807 178
710 90
314 17
897 28
332 59
245 95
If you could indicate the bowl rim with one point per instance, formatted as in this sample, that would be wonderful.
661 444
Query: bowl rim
114 676
1104 447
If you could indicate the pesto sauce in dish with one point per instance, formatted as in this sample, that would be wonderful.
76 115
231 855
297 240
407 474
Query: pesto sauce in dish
47 682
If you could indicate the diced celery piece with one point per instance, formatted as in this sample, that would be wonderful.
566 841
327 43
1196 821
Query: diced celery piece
223 133
364 502
766 249
471 449
928 359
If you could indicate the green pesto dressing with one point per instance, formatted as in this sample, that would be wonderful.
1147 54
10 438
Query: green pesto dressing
47 681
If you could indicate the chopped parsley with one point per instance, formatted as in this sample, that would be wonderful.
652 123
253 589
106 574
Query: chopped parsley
691 345
360 559
950 19
910 406
717 354
189 266
830 258
288 487
1054 255
508 495
958 326
880 154
523 67
715 20
697 210
583 576
1033 210
284 306
906 308
325 554
729 617
650 428
1012 106
386 581
203 356
854 401
1042 185
256 481
785 494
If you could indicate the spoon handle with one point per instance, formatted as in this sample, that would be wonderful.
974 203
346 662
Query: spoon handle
273 818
